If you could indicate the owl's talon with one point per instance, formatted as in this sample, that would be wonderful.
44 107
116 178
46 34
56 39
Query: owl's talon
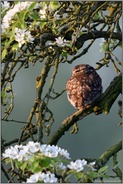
75 129
97 110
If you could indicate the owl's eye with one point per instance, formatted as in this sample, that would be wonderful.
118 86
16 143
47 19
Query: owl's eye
77 67
77 71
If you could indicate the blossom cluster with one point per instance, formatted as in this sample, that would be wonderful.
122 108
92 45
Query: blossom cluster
78 165
41 176
22 36
11 13
24 152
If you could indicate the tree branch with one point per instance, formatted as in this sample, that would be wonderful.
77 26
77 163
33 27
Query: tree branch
109 153
103 104
96 34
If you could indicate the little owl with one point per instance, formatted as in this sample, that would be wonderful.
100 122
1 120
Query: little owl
84 87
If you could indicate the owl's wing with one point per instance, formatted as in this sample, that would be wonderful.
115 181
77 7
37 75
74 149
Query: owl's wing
92 88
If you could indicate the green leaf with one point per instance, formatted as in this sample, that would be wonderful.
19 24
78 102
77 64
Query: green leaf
34 16
71 172
8 160
8 41
104 47
105 176
97 15
24 166
4 53
12 164
11 96
45 163
56 23
54 5
31 7
38 169
32 159
21 24
35 165
15 47
103 170
11 34
78 175
3 95
15 2
92 175
22 14
64 54
42 24
18 164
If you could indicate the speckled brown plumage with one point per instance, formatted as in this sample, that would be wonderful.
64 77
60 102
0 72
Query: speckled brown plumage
84 87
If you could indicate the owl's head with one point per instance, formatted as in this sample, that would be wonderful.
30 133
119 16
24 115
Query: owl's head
82 69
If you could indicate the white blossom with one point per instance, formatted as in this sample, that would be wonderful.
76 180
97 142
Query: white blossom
90 165
23 5
35 178
22 36
29 37
5 4
45 177
49 178
64 153
50 151
20 39
19 152
11 152
42 12
78 165
33 147
61 166
84 162
60 41
54 151
23 153
3 27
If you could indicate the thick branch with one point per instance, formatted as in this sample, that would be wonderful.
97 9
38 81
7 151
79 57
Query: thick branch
107 99
109 153
97 34
103 104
